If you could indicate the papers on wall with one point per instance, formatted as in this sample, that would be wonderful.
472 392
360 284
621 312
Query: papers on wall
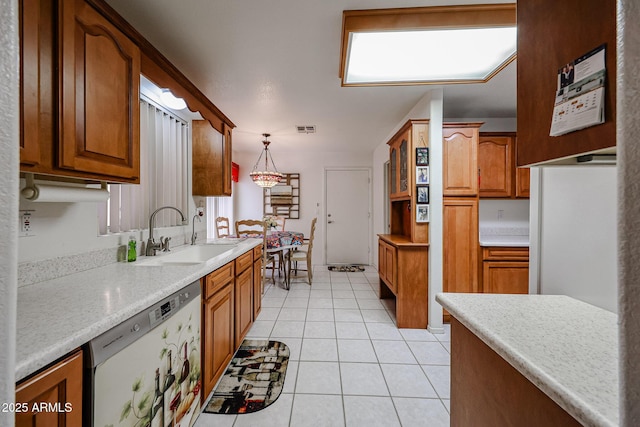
580 95
281 195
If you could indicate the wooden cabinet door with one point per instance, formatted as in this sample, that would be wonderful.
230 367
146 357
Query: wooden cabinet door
36 85
62 385
100 93
460 241
387 262
495 166
257 287
211 164
218 345
401 166
243 304
505 277
460 160
382 268
523 182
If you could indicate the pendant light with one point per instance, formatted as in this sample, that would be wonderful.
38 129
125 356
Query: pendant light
266 178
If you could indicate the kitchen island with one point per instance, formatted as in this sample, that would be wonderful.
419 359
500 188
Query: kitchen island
57 316
531 360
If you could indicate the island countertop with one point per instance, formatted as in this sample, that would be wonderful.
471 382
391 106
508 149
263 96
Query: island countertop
565 347
57 316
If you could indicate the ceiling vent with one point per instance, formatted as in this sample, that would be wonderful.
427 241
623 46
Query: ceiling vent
306 129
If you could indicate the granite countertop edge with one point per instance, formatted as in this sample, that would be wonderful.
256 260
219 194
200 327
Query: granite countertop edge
559 393
58 316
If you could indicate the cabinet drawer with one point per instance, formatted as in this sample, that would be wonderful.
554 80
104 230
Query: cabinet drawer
257 252
217 279
505 254
243 262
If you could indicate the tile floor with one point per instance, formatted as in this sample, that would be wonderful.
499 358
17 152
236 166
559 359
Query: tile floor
349 365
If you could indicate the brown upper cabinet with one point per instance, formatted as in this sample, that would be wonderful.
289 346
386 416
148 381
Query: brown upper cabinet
499 177
460 159
80 89
211 171
551 34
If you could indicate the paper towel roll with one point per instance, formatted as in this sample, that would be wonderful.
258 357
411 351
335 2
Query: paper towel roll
50 193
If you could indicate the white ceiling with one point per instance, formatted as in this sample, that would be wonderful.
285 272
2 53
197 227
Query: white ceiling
272 65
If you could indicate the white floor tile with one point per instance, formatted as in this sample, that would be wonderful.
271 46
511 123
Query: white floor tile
446 345
370 304
365 411
393 352
343 294
341 286
293 314
299 293
358 279
347 315
320 285
376 316
356 351
364 379
417 412
261 329
447 404
319 349
383 331
361 286
430 353
215 420
345 303
275 415
366 294
288 329
339 279
407 381
417 335
320 330
320 293
317 411
294 344
447 333
319 315
351 330
440 377
268 313
296 303
319 378
321 303
290 377
272 301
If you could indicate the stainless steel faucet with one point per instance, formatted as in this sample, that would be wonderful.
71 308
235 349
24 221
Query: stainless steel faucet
152 246
194 235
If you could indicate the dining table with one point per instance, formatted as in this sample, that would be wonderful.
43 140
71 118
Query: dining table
282 242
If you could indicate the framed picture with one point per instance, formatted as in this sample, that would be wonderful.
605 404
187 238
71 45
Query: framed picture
422 156
422 192
422 213
422 174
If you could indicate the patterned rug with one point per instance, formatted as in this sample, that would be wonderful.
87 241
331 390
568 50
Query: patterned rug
346 268
253 380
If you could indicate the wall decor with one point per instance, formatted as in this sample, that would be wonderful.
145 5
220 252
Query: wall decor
422 174
422 193
422 213
422 156
283 199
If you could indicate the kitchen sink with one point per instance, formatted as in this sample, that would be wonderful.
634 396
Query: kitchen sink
190 256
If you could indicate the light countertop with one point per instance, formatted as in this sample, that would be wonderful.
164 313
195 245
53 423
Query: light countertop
567 348
505 236
58 316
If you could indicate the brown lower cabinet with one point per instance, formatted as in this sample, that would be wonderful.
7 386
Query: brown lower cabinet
257 281
229 299
59 387
505 270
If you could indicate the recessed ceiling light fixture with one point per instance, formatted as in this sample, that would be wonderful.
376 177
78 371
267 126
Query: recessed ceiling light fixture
171 101
427 45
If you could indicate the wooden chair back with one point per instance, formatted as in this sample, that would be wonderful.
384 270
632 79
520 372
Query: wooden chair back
249 226
313 232
222 227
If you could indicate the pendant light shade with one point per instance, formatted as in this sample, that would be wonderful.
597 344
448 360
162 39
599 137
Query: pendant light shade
266 178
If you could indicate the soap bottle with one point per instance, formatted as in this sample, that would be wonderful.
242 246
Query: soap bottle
131 255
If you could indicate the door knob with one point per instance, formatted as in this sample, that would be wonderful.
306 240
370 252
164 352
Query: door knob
329 222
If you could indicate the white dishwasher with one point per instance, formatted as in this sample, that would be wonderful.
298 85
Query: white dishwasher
146 371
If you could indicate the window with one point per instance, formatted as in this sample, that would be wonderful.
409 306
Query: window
219 206
164 173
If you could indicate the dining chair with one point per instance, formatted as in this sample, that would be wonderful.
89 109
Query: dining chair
267 258
222 227
250 227
303 254
280 220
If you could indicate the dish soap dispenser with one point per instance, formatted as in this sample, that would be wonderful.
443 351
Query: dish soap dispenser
131 255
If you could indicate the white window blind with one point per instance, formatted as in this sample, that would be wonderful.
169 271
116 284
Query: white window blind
164 148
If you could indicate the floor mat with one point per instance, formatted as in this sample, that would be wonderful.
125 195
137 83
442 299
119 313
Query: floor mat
253 380
346 268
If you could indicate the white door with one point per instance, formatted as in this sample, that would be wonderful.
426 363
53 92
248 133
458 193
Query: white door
347 220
